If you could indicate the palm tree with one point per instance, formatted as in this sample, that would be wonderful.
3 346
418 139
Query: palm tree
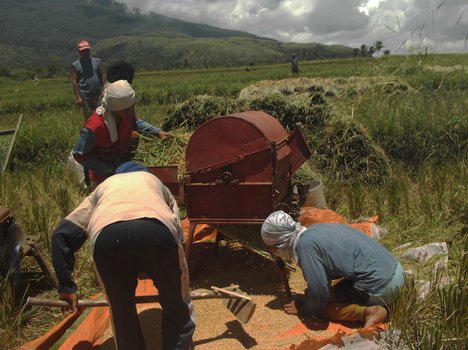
378 45
364 50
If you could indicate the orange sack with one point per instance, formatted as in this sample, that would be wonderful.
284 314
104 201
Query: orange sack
311 215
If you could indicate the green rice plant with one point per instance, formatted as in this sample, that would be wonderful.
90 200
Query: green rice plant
421 126
63 196
84 274
39 199
435 206
438 320
5 142
401 201
356 200
393 195
14 314
46 137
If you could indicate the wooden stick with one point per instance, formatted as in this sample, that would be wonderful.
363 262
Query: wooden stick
216 293
231 294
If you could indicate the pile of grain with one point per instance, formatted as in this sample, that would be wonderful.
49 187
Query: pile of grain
195 111
344 150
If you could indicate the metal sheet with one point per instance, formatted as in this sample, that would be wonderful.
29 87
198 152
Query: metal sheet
227 139
300 151
238 202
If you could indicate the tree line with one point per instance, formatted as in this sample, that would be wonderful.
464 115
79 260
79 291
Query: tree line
368 51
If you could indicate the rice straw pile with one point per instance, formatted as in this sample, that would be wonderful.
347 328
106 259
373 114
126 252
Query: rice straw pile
342 147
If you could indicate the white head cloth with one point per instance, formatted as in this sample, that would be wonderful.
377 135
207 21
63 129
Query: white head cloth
279 230
117 96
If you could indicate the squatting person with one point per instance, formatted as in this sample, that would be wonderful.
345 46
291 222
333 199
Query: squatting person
368 275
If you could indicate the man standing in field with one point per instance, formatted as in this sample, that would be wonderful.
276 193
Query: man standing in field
350 276
294 64
87 79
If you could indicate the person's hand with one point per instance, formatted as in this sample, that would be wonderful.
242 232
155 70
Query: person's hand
163 134
79 102
72 299
294 307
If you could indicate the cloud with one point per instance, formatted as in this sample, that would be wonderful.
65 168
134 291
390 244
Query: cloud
336 16
436 25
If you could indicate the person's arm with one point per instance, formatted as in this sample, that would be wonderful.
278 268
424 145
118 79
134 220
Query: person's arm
82 153
317 282
146 128
75 86
67 238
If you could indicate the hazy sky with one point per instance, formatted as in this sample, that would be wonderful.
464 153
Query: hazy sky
438 25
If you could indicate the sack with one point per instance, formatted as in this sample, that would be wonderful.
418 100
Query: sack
75 171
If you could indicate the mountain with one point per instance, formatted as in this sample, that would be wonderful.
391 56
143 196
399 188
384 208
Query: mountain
41 34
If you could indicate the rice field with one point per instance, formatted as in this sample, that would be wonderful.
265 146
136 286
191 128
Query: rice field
389 137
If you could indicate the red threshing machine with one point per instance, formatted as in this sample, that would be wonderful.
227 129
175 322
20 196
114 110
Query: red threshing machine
239 169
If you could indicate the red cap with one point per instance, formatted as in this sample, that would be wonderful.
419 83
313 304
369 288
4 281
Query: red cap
83 45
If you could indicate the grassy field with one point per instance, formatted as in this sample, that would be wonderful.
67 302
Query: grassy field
423 131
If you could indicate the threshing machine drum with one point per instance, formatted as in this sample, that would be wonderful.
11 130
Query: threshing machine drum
239 168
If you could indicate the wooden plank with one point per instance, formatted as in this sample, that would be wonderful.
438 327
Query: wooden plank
12 145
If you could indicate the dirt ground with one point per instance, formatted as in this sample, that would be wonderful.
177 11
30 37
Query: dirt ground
217 328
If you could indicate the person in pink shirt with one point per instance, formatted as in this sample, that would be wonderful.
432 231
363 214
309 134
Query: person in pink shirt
132 221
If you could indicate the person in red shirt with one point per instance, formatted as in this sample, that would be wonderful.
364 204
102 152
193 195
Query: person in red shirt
105 139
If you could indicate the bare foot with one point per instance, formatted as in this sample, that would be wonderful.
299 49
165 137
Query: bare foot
374 315
294 307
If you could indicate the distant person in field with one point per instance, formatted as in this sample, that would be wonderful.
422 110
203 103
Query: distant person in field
105 139
294 64
350 276
87 79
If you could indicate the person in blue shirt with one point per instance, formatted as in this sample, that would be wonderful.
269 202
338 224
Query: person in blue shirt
87 79
350 276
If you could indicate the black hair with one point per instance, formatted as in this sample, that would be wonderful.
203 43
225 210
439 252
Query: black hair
120 70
